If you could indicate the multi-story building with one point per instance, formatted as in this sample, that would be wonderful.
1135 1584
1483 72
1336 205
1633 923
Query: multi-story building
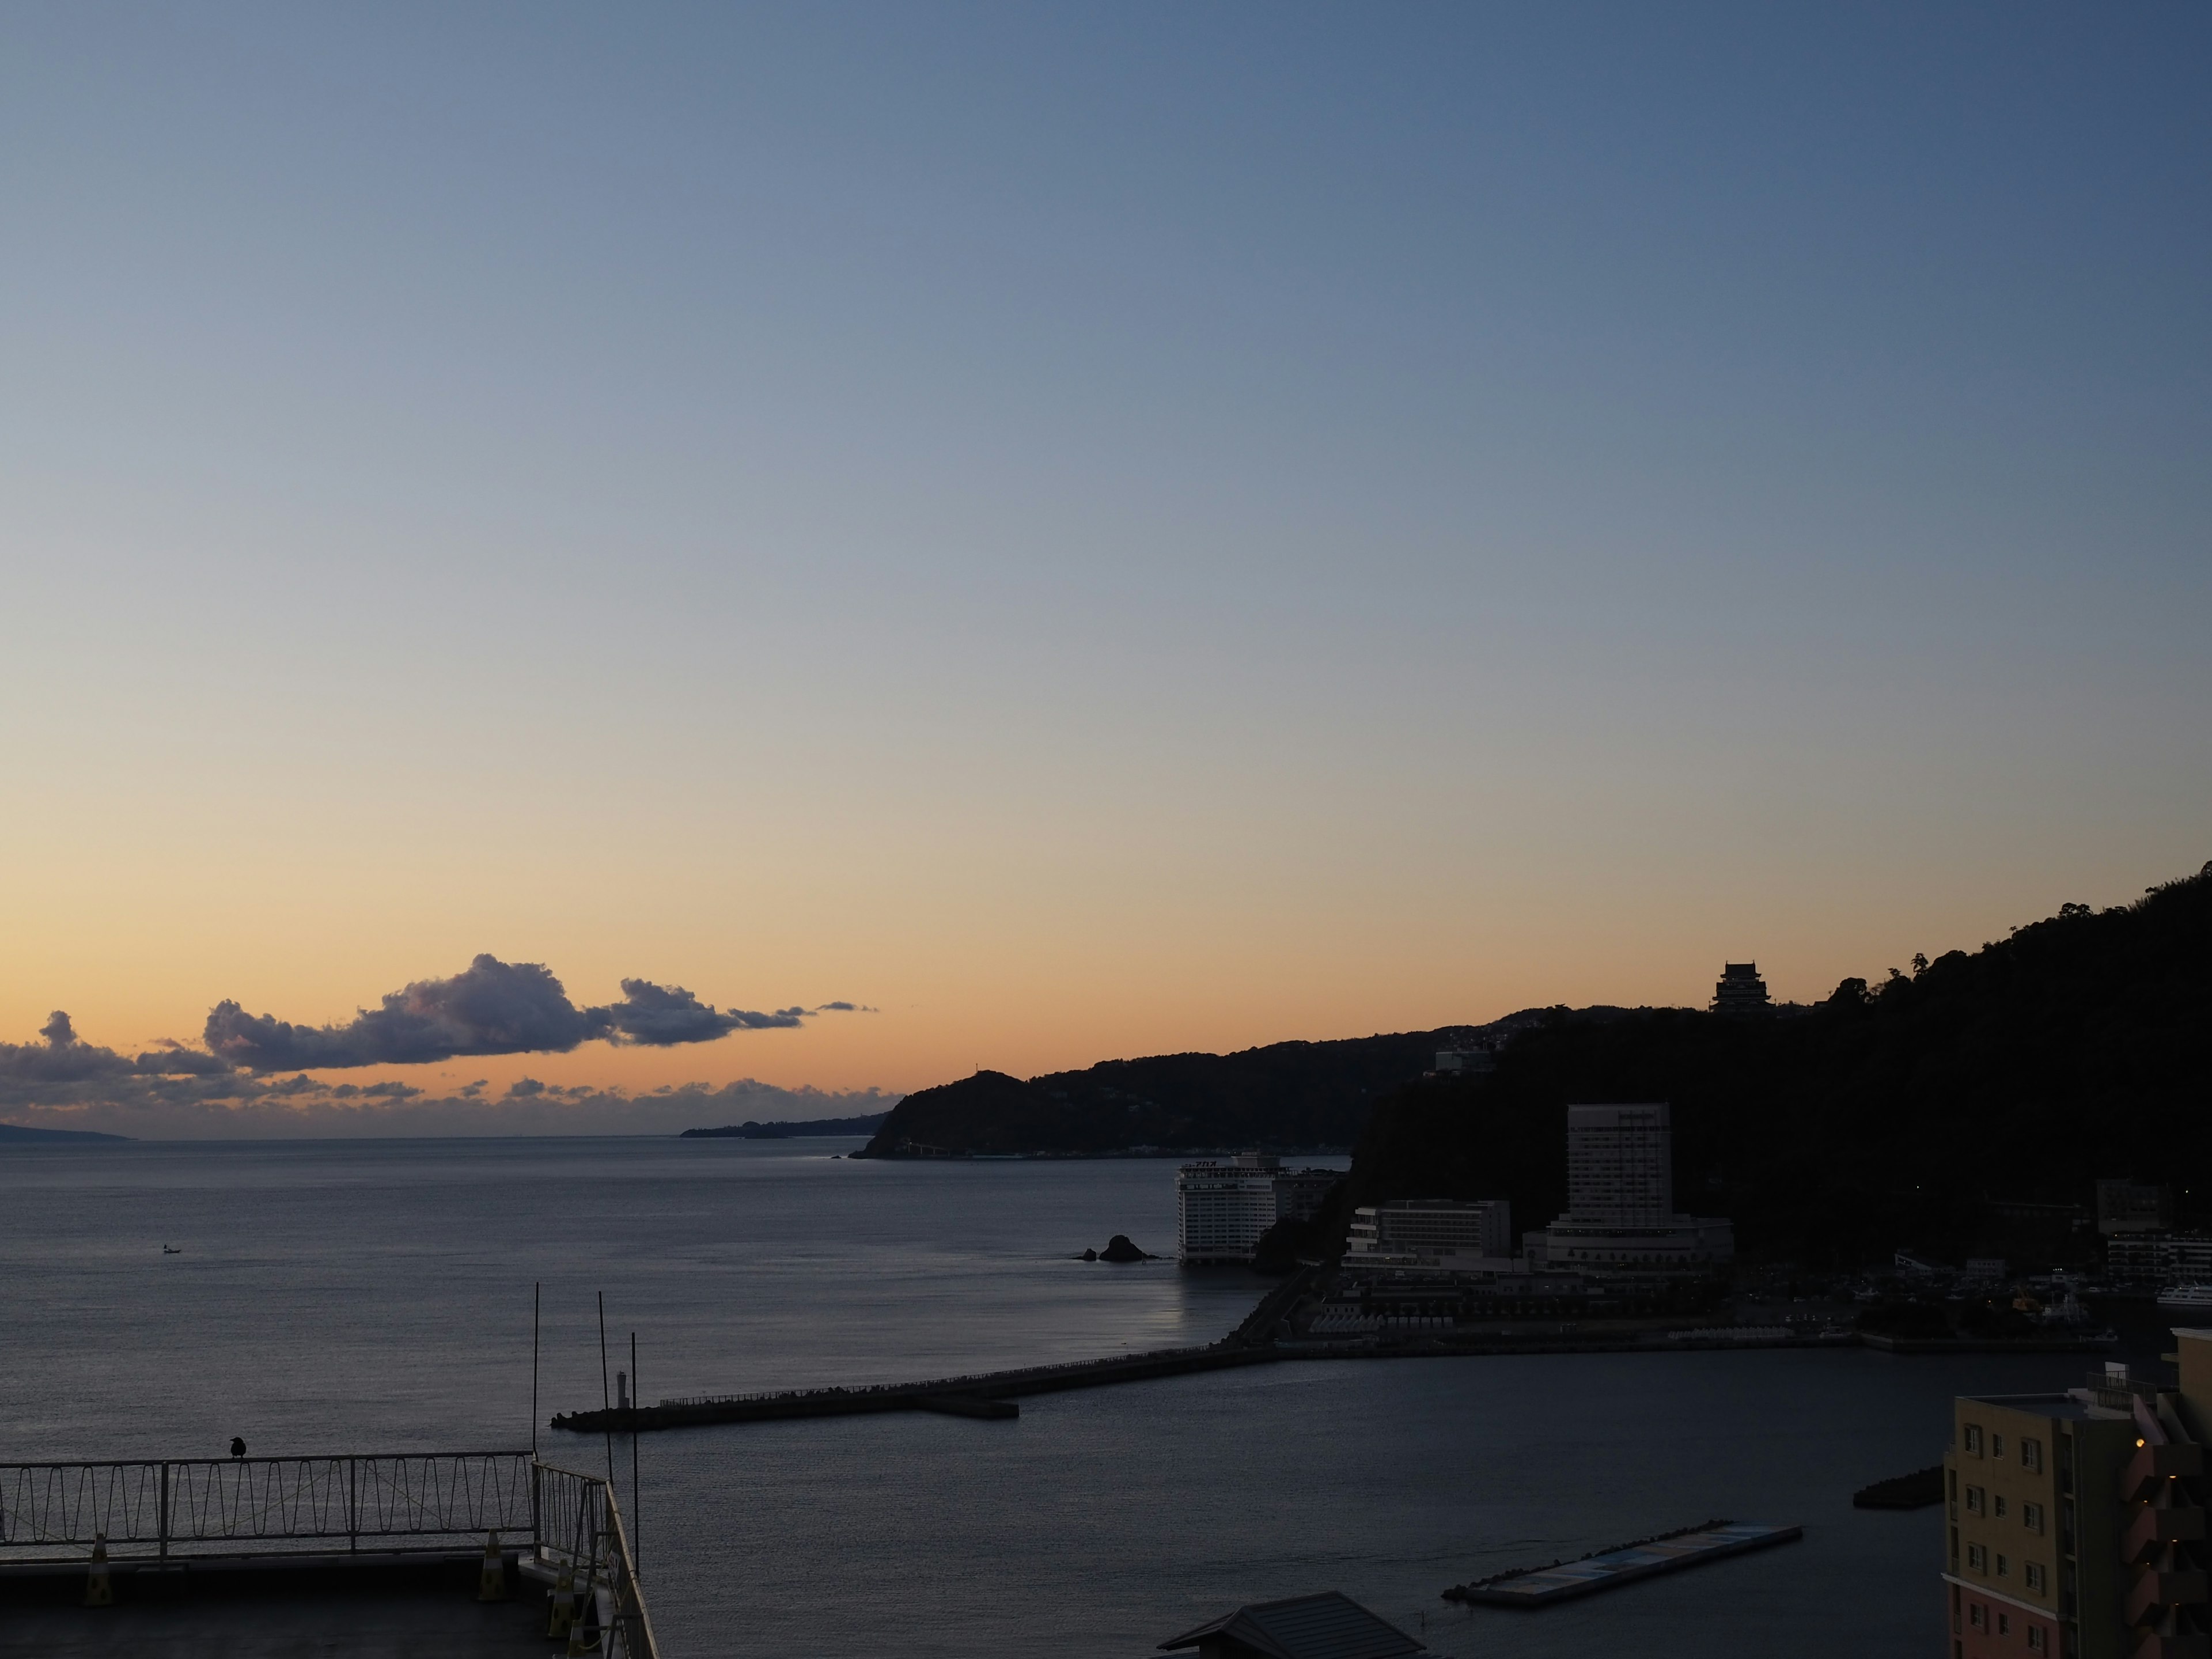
2159 1258
1221 1209
1620 1215
2076 1520
1741 990
1466 1062
1620 1162
2134 1206
1476 1237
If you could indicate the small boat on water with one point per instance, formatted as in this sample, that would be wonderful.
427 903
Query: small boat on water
171 1250
2186 1298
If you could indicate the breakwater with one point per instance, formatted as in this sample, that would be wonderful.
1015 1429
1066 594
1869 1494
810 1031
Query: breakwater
985 1394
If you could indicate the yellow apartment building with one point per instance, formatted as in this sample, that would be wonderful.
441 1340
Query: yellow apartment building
2075 1525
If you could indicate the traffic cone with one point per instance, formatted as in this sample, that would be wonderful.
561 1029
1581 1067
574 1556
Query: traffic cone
584 1634
98 1589
491 1583
564 1603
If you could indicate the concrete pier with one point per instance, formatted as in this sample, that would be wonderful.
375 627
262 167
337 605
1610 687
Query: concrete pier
989 1395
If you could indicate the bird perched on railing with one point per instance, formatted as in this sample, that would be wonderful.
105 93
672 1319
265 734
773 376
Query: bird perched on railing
238 1445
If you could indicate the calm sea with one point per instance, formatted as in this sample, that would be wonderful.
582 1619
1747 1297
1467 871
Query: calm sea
376 1295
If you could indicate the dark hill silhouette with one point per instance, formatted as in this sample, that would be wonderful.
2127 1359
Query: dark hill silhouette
1934 1110
1288 1097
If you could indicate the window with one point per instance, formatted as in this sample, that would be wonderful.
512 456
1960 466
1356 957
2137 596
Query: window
2031 1455
2031 1517
1997 1445
1999 1512
1974 1615
1978 1557
1973 1436
2035 1639
2004 1566
2004 1623
1974 1496
2033 1573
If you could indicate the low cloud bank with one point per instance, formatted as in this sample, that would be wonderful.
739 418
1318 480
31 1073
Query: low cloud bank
65 1057
236 1086
240 1107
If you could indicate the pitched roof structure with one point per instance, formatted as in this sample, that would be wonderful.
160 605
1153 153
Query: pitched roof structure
1330 1626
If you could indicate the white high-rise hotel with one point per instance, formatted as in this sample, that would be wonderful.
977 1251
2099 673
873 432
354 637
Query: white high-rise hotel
1620 1199
1221 1209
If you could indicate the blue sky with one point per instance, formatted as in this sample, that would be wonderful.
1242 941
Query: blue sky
1090 529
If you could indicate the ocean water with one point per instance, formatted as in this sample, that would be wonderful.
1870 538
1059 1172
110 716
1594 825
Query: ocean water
377 1296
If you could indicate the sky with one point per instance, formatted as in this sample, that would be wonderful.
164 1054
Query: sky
1077 530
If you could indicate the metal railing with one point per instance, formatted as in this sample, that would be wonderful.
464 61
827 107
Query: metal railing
581 1528
181 1505
181 1509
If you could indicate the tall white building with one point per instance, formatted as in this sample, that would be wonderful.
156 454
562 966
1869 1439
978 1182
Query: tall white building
1221 1209
1620 1162
1620 1199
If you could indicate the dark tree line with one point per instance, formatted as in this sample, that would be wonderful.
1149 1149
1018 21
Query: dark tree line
1930 1111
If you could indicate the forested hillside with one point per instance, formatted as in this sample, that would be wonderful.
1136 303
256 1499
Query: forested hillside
1288 1095
1935 1110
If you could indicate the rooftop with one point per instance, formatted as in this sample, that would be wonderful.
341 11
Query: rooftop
337 1555
1330 1626
374 1605
2060 1407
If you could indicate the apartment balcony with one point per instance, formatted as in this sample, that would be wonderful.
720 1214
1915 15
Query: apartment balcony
2152 1464
2154 1590
2152 1527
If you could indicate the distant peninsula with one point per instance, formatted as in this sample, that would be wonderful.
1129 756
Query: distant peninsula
22 1134
749 1130
1287 1096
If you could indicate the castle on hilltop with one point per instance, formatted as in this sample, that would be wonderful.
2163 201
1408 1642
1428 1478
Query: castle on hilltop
1741 990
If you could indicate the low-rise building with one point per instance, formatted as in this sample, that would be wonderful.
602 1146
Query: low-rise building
2150 1258
1330 1626
1466 1062
1473 1237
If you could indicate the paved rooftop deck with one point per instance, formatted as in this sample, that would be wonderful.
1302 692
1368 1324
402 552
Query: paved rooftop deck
419 1610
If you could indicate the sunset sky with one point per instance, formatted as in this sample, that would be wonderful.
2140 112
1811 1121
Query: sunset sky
1084 530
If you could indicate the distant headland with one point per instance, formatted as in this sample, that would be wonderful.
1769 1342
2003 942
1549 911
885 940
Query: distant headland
749 1130
20 1132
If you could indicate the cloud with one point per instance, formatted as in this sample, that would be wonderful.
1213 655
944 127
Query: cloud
659 1016
492 1007
524 1087
65 1057
846 1008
